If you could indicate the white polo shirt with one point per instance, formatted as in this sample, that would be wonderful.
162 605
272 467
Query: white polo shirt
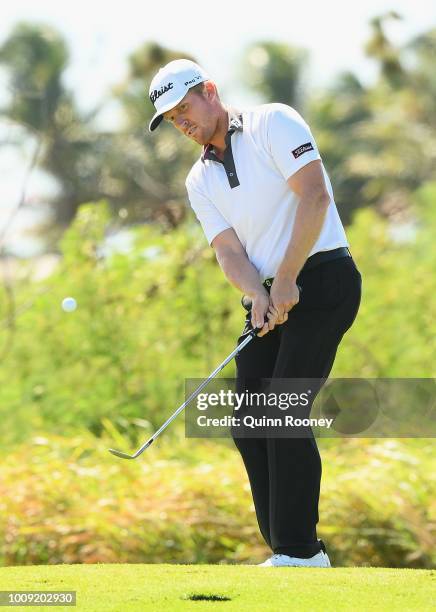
248 191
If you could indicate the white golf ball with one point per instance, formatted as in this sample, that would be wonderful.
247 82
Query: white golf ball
69 304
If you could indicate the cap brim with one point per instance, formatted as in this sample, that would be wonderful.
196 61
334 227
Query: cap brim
158 116
155 122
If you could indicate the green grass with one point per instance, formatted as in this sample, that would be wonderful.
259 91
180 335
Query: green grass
126 587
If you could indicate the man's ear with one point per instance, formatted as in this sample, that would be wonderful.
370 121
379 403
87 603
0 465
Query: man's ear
210 90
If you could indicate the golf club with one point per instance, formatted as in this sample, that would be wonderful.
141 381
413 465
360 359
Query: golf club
251 334
193 395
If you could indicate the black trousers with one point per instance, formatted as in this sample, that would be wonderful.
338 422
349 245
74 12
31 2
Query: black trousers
285 473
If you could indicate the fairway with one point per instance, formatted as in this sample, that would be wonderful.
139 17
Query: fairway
121 587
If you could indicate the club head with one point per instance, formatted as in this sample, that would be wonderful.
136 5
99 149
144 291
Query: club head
122 455
118 453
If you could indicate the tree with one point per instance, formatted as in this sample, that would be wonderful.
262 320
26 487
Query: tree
147 171
380 48
141 177
379 142
36 57
274 71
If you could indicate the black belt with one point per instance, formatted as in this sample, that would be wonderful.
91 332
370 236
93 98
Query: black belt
316 259
311 262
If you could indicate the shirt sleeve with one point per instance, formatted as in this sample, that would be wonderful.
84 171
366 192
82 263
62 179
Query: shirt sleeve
211 220
290 140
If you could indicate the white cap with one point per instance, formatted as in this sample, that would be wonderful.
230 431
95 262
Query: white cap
171 84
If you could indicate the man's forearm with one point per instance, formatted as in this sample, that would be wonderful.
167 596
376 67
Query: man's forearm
241 273
309 220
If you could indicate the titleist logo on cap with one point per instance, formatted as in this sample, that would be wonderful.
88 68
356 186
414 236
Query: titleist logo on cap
157 93
303 149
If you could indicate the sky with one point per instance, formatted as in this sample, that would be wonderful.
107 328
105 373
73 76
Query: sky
101 35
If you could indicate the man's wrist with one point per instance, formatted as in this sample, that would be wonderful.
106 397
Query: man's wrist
258 292
287 274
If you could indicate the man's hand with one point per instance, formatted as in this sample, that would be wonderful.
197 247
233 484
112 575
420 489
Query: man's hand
260 308
284 295
264 308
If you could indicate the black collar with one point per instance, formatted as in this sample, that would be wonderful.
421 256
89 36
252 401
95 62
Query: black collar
235 125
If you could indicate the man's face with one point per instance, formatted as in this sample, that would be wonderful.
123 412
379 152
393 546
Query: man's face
194 117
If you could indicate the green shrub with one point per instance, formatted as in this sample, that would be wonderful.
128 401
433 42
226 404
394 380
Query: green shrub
67 500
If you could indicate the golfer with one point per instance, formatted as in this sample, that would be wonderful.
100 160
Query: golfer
266 205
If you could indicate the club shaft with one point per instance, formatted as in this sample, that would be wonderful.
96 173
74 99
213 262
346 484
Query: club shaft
197 391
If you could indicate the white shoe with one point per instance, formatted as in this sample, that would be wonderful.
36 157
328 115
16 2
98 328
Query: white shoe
319 560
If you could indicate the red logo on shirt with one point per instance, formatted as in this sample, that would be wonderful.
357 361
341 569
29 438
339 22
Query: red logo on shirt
303 149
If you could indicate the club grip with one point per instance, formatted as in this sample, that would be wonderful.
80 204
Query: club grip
256 330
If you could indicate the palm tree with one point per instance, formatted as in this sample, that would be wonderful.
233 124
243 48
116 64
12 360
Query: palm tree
274 71
147 171
36 57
